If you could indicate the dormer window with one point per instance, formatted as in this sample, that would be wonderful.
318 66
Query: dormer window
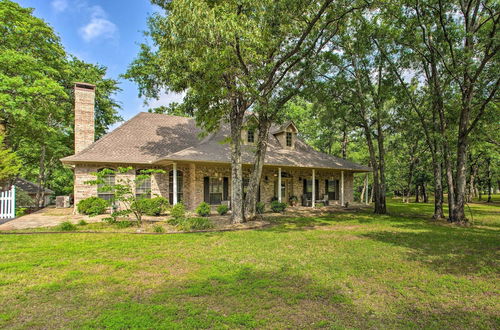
288 139
251 136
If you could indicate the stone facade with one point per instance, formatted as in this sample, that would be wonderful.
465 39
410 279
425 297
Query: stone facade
193 175
84 116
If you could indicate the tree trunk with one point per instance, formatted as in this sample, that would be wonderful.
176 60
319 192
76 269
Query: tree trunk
417 196
374 162
236 123
424 193
255 177
40 194
489 180
458 212
410 179
438 190
381 159
344 142
450 184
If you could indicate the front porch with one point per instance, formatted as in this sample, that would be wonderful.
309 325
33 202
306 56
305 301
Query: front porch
211 183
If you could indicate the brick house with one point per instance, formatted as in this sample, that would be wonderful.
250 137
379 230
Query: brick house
197 168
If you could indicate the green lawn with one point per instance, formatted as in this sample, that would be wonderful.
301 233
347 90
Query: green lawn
349 269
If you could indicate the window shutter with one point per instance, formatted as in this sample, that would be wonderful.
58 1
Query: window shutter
317 188
337 190
225 189
326 186
206 189
305 186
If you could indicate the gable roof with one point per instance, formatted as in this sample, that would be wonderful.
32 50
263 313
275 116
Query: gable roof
283 127
158 139
29 187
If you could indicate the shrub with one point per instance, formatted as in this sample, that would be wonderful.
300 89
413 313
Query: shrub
260 207
82 223
175 221
178 211
203 210
187 224
278 207
319 204
158 229
222 209
124 224
23 199
66 226
20 211
153 206
92 206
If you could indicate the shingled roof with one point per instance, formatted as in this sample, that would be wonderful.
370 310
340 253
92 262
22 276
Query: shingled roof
156 138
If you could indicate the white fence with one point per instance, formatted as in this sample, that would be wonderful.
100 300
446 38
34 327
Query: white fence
8 203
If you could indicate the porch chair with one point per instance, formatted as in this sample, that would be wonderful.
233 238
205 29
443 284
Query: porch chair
306 200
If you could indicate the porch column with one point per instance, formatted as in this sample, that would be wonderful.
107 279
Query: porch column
342 188
313 188
366 189
192 185
174 194
279 184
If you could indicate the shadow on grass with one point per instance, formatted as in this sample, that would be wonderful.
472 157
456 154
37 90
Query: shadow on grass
242 297
446 249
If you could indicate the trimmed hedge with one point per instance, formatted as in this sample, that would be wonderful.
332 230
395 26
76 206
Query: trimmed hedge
222 209
278 207
92 206
203 210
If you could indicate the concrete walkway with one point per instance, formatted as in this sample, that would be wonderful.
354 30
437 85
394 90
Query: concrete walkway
47 217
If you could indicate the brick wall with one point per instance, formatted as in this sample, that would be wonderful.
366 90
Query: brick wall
84 115
193 181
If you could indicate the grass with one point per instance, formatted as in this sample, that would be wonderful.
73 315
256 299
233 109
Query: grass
347 269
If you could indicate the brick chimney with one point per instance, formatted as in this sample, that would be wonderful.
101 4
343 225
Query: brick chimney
84 115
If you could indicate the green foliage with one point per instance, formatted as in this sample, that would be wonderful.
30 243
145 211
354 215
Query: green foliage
178 211
319 204
278 207
23 199
157 206
124 224
203 210
10 164
188 224
82 223
92 206
20 211
260 207
66 226
36 105
158 229
124 191
222 209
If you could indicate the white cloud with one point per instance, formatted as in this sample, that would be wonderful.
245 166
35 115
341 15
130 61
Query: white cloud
59 5
99 25
165 99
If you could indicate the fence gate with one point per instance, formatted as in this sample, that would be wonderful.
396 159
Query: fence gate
8 203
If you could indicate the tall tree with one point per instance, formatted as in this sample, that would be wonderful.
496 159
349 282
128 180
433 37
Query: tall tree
233 55
36 108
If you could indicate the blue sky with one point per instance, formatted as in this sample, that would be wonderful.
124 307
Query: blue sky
106 32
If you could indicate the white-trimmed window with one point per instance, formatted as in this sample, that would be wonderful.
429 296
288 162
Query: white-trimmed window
143 188
109 181
288 139
251 135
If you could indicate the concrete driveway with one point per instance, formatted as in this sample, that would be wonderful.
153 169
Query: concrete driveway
47 217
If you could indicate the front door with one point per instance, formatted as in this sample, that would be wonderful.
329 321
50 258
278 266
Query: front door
285 189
